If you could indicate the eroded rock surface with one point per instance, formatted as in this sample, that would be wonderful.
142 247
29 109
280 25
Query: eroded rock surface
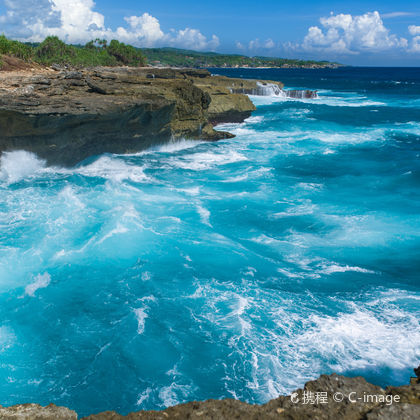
36 412
66 116
311 402
330 397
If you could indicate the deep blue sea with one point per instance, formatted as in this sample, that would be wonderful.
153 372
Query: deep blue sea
240 268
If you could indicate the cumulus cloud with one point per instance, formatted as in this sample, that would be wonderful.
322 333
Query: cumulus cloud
192 38
76 21
347 34
415 42
269 43
414 30
256 44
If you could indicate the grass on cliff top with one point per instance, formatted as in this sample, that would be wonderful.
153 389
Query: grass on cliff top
54 51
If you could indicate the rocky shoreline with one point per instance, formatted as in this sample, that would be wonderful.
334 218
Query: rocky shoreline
330 397
65 116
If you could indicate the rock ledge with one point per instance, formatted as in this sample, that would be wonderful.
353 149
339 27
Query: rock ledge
66 116
330 397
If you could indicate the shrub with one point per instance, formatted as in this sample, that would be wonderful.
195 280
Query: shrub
94 53
53 50
126 54
15 48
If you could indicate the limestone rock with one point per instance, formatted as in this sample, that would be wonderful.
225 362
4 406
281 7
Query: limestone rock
67 116
346 391
343 398
301 94
36 412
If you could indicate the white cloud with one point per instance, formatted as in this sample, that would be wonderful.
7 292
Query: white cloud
269 43
194 39
143 30
415 42
395 15
76 21
256 44
415 45
414 30
347 34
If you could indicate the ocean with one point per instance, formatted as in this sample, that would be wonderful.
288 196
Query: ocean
233 269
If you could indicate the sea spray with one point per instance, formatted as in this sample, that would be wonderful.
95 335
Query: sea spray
18 165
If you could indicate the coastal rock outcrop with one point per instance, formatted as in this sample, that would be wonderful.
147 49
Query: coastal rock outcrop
36 412
226 85
67 116
330 397
301 94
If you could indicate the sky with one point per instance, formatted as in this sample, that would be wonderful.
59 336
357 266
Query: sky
380 32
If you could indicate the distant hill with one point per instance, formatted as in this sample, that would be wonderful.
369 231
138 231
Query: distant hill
188 58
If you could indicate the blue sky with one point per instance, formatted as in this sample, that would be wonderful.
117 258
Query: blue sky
354 32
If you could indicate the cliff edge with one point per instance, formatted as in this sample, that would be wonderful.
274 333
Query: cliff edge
66 116
330 397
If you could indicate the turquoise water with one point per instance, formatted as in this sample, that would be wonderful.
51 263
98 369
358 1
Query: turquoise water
241 268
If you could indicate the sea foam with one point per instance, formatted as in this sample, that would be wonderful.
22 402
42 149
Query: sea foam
41 281
18 165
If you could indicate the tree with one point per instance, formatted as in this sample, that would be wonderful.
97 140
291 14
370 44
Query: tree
126 54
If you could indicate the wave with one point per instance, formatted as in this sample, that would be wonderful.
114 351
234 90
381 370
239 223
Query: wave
41 281
117 231
254 119
362 338
297 210
7 338
328 100
206 160
336 268
18 165
113 169
355 102
204 215
295 341
169 147
141 316
174 394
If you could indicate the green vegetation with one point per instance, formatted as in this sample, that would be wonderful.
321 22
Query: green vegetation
99 53
15 48
54 51
186 58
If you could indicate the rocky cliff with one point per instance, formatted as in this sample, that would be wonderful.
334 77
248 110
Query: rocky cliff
330 397
65 116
